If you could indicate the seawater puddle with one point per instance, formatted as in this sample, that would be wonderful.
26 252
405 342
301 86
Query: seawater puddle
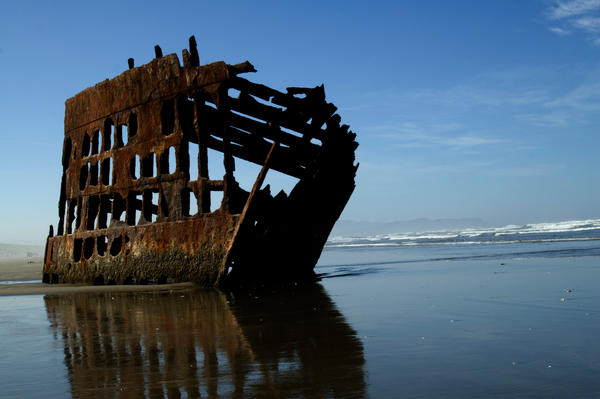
9 282
31 360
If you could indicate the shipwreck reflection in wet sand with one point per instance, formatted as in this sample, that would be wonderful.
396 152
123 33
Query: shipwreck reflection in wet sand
205 343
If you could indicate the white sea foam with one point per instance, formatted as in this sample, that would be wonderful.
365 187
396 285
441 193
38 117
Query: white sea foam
409 244
535 232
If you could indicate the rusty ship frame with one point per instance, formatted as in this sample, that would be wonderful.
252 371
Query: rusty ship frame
131 212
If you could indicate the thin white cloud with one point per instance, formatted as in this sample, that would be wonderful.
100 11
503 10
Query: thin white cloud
466 96
469 141
394 168
578 15
585 97
488 168
548 119
589 24
560 31
573 8
524 170
517 101
469 96
455 167
416 135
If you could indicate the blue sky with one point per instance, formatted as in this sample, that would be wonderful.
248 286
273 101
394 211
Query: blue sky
462 109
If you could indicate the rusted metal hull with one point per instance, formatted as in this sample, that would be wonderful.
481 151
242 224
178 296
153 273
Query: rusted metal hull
136 193
189 250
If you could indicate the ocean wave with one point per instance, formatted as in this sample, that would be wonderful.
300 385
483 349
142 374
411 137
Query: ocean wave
400 244
571 230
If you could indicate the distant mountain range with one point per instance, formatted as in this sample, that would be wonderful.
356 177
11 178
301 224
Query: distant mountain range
351 228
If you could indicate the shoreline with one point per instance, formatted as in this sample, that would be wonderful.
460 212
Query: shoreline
45 289
24 269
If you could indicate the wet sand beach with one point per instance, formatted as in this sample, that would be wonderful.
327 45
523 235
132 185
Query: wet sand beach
20 268
41 288
22 276
383 322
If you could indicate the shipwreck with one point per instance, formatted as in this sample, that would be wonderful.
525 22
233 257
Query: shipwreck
136 192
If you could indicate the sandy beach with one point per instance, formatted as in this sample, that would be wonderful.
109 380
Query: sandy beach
21 270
